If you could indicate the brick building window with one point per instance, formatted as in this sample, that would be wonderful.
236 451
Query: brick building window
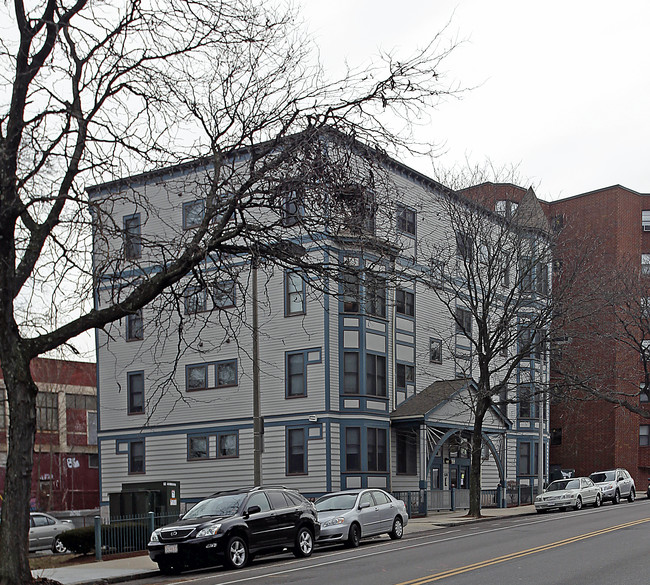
645 220
47 411
645 264
3 412
644 435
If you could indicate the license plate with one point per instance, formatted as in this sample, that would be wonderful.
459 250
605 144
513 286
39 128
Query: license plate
171 549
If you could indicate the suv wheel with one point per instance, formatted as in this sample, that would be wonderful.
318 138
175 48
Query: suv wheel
632 496
237 553
617 497
169 568
304 543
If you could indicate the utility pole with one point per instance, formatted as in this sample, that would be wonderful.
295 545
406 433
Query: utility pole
257 419
541 401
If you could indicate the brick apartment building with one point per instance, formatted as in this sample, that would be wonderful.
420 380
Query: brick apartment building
66 471
597 435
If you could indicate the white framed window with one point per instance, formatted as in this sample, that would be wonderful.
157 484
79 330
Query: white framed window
645 220
645 264
644 435
132 237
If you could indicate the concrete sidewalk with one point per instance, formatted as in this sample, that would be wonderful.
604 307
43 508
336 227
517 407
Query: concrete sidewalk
127 569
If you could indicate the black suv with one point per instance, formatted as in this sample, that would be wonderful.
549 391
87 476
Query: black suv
230 527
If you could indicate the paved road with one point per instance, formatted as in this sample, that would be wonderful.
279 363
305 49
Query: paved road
605 545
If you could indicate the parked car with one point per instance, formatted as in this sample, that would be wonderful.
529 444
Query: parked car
615 484
231 527
351 515
44 531
564 493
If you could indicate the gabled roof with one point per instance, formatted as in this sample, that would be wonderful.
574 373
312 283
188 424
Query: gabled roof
429 399
434 397
530 214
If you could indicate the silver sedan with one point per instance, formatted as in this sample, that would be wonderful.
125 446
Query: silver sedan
351 515
44 531
565 493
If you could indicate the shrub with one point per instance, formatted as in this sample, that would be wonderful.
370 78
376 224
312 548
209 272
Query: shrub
80 541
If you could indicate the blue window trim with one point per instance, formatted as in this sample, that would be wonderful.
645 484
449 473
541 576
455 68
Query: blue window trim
399 207
207 446
189 292
186 206
144 456
405 291
187 376
407 383
128 392
139 236
232 301
364 426
221 434
303 294
128 331
305 459
438 342
364 386
215 369
528 388
305 362
360 386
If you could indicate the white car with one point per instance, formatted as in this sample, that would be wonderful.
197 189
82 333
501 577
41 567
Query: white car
564 493
615 484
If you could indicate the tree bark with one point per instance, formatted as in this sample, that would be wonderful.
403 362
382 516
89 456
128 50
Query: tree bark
14 532
476 462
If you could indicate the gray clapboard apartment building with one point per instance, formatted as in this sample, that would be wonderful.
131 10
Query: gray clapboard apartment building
358 384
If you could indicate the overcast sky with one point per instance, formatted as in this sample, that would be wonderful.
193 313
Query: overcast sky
564 86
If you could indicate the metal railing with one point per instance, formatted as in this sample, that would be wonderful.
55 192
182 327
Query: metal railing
126 533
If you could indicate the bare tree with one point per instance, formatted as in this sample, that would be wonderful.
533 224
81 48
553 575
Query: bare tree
492 275
94 92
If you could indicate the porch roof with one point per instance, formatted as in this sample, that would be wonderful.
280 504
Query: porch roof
446 400
432 396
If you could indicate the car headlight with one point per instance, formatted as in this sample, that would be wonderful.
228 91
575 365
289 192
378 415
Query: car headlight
154 536
333 521
538 498
567 496
209 531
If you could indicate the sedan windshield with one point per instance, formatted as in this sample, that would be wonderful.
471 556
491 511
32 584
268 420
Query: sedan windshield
603 476
564 484
337 502
218 506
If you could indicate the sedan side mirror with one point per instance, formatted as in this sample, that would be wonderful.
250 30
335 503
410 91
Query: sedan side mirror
364 505
253 510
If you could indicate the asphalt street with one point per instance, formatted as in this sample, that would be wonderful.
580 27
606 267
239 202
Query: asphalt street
604 545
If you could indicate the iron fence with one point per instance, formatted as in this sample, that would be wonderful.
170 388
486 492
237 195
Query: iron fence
126 533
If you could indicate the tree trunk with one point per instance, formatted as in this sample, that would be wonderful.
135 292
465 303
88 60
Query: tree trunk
14 529
476 461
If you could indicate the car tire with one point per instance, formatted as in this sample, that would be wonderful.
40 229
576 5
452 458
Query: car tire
58 546
562 508
598 501
578 504
540 511
236 553
632 496
304 543
169 568
617 497
354 536
398 529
